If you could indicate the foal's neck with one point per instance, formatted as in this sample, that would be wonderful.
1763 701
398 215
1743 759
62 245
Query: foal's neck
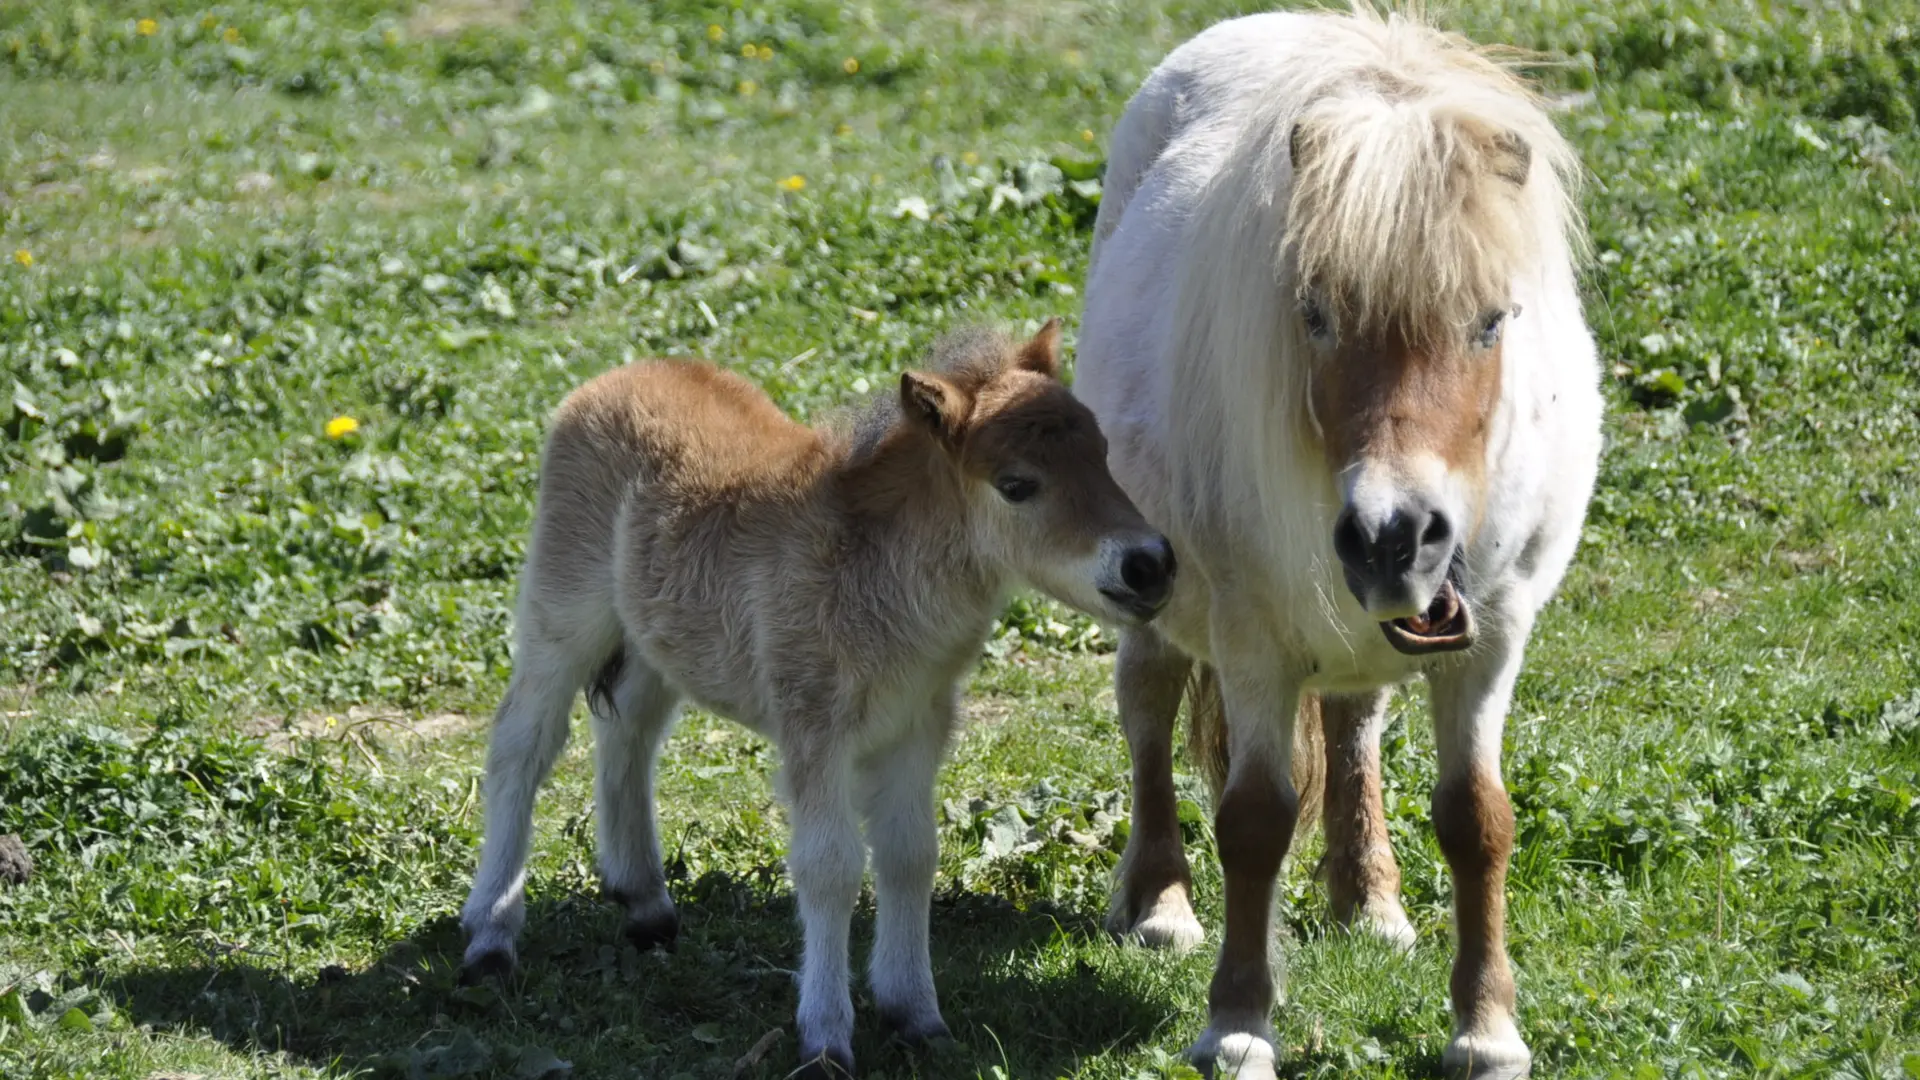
902 500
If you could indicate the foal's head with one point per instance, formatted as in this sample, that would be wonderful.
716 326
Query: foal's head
1410 215
1033 462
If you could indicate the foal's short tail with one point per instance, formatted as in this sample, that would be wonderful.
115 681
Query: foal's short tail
1207 746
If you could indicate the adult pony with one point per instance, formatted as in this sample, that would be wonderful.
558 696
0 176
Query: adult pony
1333 334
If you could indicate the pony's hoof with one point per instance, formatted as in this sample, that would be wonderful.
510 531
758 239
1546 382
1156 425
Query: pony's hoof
1237 1055
1494 1055
1166 923
657 931
830 1063
1388 921
1176 933
486 964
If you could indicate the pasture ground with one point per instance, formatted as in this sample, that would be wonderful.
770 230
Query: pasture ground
244 663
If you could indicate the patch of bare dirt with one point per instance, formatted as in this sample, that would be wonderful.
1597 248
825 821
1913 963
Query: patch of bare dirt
362 724
16 866
1810 562
445 18
983 711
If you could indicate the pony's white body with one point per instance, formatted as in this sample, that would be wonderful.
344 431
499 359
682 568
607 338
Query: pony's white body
1222 472
1192 359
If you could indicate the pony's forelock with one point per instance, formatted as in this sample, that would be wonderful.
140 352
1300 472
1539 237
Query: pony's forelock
1427 178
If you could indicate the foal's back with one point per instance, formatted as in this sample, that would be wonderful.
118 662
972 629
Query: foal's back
685 440
702 429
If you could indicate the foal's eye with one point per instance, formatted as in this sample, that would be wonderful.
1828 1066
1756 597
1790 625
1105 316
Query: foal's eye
1316 321
1488 334
1016 488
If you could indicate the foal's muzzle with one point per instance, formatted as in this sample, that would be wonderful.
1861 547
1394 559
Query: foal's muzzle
1143 579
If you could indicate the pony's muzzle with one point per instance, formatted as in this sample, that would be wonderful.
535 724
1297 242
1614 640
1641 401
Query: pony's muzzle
1140 580
1395 561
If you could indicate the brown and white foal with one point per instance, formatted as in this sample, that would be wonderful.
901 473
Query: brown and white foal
826 589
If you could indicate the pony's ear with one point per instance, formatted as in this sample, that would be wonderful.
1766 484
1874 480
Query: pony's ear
935 404
1042 354
1510 158
1300 145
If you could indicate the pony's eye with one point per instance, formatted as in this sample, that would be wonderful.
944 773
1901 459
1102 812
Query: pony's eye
1016 488
1315 320
1488 335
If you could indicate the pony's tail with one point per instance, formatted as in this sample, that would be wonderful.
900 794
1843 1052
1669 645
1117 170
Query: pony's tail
1207 746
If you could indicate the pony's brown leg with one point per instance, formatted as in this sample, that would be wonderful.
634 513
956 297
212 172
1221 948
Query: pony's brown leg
1363 881
1151 900
1473 821
1253 829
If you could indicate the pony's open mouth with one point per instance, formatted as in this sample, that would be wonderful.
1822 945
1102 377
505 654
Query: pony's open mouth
1446 625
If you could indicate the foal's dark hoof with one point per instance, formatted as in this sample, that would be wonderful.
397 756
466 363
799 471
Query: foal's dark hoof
654 931
826 1065
496 964
930 1036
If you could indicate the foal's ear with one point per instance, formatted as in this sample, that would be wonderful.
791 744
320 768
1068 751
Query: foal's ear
935 403
1042 354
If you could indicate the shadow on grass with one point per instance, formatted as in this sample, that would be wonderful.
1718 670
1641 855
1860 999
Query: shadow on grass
1015 988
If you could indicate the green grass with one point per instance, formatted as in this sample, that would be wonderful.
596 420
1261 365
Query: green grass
244 665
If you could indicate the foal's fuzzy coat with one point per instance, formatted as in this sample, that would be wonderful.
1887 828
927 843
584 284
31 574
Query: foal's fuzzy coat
827 590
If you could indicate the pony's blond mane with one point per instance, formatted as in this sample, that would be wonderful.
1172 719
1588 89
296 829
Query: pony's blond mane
1412 167
1415 175
1414 211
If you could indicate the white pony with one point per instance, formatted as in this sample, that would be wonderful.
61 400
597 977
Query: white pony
1333 334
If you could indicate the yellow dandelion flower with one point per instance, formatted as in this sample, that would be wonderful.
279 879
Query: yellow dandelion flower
970 158
843 130
231 35
208 22
332 722
23 257
851 65
1072 56
714 33
796 182
391 36
146 28
1086 135
749 50
766 52
342 426
748 87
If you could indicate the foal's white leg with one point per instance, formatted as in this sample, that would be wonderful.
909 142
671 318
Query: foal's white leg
1474 823
898 785
629 727
1151 897
1253 830
529 732
827 863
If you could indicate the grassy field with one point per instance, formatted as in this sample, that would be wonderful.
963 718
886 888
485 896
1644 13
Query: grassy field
246 655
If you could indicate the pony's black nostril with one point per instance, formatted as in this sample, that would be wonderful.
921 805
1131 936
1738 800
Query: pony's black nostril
1438 531
1348 543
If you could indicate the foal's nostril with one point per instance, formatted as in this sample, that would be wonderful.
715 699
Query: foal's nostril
1148 570
1438 531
